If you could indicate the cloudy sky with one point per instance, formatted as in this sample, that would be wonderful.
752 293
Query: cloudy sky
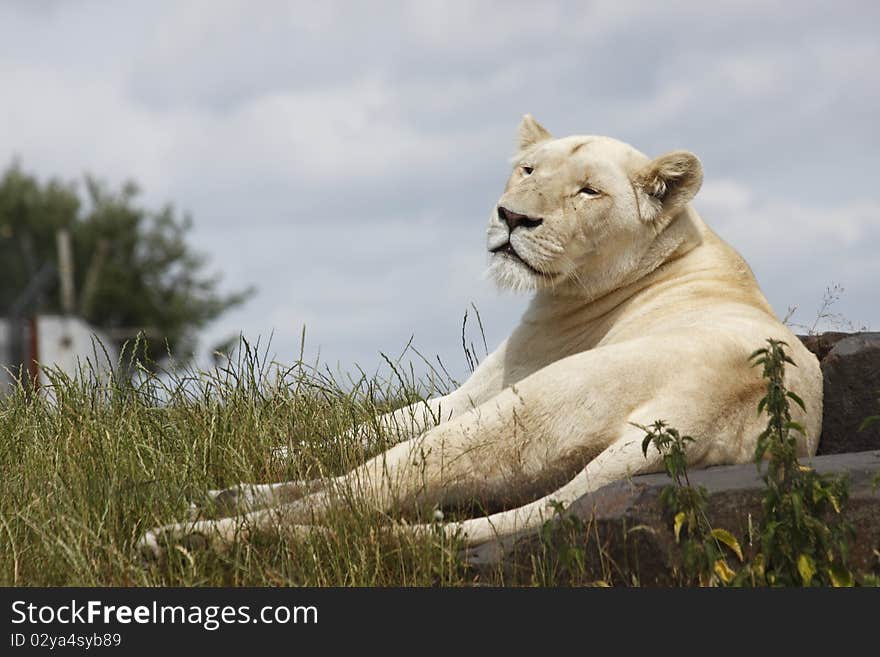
343 157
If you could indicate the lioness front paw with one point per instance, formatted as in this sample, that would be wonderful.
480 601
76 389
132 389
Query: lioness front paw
215 536
149 548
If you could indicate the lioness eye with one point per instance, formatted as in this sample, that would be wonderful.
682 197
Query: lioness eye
589 191
528 170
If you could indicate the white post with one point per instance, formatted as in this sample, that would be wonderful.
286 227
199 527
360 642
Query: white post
65 269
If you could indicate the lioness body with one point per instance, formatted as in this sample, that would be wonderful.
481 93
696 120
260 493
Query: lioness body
640 313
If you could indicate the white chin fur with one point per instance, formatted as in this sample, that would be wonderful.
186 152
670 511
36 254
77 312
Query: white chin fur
509 275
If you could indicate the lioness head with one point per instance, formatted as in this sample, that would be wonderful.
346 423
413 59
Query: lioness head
580 213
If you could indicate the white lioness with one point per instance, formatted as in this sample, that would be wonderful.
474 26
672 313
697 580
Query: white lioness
640 313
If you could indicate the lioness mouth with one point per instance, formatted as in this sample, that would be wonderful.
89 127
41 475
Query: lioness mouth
508 250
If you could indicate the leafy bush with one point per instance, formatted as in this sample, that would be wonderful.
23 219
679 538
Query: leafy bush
703 558
803 533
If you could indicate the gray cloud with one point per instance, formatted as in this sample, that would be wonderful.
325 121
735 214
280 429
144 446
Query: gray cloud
344 156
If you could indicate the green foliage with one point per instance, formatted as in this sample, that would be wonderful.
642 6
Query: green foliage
90 465
563 555
572 553
703 558
803 533
133 270
804 536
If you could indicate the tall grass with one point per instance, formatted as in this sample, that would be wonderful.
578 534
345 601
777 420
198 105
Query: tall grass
88 463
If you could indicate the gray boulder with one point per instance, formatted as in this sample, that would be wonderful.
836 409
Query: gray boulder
851 371
624 530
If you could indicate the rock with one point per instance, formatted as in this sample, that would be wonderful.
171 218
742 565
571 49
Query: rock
851 371
822 343
624 529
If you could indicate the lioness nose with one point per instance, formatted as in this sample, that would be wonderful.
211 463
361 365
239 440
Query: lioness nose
514 219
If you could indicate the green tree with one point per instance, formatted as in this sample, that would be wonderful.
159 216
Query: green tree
133 270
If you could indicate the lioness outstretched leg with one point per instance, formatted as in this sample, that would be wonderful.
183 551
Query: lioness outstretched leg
401 424
410 421
513 448
480 455
622 459
249 497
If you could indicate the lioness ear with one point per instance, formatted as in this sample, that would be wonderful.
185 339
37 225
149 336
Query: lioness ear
531 132
668 184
